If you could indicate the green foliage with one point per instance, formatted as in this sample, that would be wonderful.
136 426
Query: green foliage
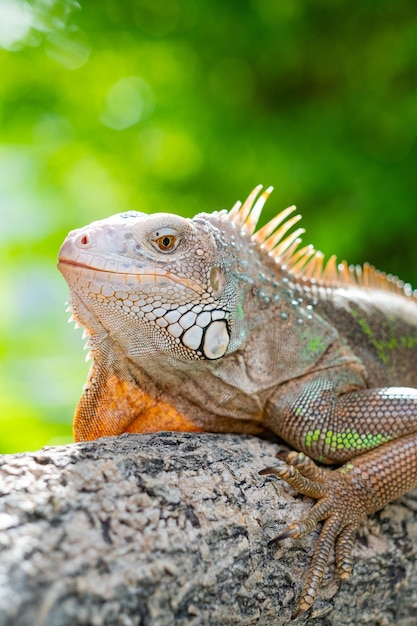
184 106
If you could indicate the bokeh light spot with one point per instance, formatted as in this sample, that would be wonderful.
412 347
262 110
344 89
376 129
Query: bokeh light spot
128 101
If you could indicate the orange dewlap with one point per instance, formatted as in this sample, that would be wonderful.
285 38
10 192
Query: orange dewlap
117 406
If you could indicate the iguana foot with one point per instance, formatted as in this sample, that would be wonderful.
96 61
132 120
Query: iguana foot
343 502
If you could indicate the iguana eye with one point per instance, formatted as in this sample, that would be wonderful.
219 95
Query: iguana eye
166 240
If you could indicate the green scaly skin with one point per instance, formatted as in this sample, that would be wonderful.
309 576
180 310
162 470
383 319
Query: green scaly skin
195 320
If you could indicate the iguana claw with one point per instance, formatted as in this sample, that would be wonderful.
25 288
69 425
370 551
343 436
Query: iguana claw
341 518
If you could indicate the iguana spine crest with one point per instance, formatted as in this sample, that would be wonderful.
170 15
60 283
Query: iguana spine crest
305 264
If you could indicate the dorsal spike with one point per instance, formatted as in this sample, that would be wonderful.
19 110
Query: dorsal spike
277 236
300 258
314 267
286 256
330 271
283 246
345 272
249 203
254 215
246 215
366 275
240 212
318 266
272 225
234 211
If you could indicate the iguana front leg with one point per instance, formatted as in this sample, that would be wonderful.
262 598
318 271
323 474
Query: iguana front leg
332 419
364 484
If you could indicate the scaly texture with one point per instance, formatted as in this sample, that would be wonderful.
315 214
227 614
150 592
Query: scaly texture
209 325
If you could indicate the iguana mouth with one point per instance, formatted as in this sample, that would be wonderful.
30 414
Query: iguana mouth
140 276
82 265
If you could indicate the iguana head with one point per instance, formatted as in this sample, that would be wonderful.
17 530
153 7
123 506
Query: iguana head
157 284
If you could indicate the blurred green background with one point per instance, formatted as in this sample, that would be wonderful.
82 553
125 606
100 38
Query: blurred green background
183 106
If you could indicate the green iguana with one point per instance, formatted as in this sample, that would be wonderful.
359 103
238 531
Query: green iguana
206 324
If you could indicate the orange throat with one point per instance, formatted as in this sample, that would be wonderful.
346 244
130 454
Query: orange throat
115 406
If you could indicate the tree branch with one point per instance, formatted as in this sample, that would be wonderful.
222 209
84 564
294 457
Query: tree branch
173 528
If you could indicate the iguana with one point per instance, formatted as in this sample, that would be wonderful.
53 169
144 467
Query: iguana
208 324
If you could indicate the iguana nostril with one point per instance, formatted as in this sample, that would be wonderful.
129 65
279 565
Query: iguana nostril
84 241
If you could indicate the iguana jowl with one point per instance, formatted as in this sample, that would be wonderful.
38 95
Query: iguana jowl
206 324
